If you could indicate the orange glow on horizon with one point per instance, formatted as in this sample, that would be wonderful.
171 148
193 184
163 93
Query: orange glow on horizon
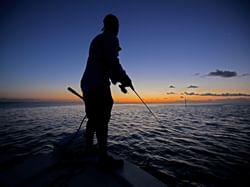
66 96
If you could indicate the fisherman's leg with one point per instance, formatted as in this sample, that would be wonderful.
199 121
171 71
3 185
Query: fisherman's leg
104 114
89 135
105 161
102 136
90 106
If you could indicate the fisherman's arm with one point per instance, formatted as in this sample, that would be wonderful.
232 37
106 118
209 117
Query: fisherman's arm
117 73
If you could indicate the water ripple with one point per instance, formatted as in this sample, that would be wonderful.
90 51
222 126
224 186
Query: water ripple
201 145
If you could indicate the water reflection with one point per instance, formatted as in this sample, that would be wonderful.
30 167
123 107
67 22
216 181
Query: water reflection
200 144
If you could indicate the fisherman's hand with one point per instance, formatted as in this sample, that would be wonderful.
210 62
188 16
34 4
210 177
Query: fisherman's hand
126 82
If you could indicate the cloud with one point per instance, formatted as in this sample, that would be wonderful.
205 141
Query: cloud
196 74
190 93
222 94
170 93
193 86
244 75
171 86
224 74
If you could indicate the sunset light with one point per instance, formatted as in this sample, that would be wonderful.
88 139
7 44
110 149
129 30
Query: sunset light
202 44
125 93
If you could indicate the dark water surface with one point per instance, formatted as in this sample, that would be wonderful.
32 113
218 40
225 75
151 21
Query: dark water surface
201 145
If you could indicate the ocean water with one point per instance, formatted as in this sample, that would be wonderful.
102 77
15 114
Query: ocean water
198 145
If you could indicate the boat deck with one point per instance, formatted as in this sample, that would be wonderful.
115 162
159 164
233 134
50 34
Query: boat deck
71 167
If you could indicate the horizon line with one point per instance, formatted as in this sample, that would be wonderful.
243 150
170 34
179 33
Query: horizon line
225 100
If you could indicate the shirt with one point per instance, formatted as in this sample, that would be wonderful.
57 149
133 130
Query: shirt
103 63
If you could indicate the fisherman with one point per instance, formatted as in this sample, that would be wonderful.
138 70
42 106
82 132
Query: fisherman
102 66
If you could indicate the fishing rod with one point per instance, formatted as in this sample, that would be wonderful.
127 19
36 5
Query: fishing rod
64 146
75 92
81 97
123 89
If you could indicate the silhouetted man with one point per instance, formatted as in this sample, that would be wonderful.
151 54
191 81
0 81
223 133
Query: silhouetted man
102 66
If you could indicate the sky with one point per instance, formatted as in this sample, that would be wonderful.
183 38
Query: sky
172 49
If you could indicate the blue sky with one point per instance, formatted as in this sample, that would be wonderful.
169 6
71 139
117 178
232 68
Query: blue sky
44 45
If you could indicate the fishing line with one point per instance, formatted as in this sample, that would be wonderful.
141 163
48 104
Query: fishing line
124 90
146 106
81 97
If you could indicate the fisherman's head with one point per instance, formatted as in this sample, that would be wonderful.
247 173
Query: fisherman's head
111 24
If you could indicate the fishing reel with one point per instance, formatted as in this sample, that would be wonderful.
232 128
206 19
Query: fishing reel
123 89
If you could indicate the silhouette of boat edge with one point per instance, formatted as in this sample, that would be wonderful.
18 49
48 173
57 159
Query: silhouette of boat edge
68 166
